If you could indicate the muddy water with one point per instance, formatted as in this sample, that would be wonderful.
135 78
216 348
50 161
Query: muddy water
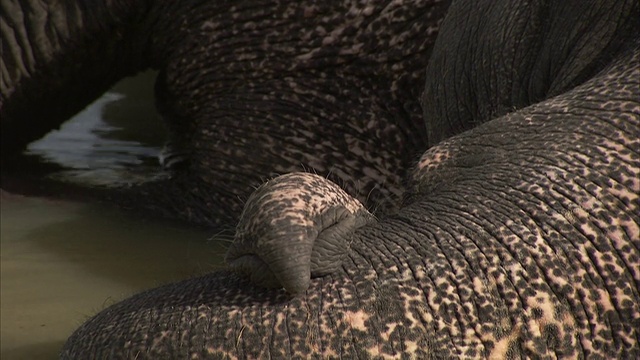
61 262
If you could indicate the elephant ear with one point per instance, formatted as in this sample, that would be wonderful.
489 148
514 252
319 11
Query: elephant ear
293 228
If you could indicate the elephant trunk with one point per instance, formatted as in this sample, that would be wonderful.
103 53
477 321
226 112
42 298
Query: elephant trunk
294 227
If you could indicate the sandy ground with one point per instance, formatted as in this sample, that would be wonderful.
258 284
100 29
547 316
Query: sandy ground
61 262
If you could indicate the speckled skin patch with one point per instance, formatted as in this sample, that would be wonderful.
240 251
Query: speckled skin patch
249 90
328 87
519 239
292 228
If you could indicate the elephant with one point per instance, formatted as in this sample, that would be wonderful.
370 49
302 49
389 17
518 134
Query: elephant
517 232
334 87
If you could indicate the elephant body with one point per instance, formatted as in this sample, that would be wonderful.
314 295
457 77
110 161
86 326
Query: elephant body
517 234
552 272
248 91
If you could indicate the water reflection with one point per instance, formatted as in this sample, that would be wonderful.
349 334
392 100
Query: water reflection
115 140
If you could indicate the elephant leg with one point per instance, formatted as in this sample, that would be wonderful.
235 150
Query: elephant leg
327 124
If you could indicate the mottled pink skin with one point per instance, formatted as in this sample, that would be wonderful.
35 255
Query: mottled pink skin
293 227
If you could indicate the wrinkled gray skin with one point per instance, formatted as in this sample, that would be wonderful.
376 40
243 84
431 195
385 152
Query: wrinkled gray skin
249 90
516 238
294 227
